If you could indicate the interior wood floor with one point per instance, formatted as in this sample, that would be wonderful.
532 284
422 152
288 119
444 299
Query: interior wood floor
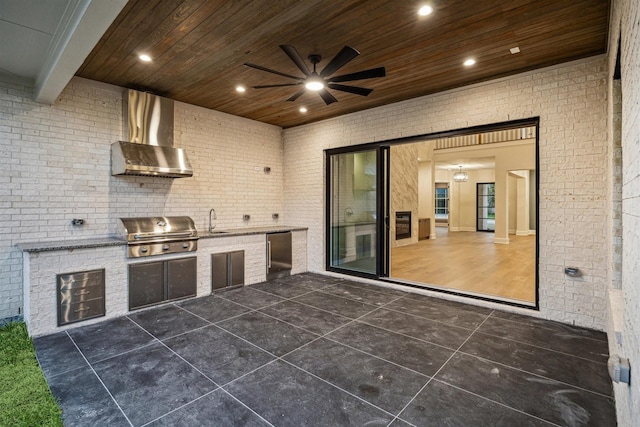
470 261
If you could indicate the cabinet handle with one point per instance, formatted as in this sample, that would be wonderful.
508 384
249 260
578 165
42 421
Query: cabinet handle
268 254
77 294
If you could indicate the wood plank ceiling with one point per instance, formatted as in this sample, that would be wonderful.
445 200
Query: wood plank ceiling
199 48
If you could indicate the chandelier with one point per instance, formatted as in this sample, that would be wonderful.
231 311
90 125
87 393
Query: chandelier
460 176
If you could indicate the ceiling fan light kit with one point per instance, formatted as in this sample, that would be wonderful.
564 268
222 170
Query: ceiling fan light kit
320 82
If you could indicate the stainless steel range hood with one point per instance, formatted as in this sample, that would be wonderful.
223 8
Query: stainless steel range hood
149 150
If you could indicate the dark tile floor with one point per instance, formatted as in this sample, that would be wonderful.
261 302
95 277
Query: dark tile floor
313 350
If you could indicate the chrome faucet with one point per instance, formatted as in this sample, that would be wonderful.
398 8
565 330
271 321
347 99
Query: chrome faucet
212 212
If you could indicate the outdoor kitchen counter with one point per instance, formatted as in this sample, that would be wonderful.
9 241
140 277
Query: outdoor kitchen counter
45 260
61 245
227 232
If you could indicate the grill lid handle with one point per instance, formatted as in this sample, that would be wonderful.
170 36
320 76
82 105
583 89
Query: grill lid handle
156 235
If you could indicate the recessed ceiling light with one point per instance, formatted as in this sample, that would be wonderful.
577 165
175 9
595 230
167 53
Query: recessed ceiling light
240 89
514 50
144 57
469 62
303 110
425 10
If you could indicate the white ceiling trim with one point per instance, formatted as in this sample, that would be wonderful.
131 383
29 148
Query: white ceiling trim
83 24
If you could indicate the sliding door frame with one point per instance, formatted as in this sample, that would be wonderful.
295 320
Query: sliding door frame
382 209
383 223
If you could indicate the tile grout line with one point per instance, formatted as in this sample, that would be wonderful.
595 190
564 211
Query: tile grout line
100 379
281 359
337 387
180 407
497 403
545 348
541 347
359 320
437 372
217 386
537 375
246 406
544 327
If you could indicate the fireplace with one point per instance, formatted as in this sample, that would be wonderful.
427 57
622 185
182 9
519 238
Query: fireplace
403 225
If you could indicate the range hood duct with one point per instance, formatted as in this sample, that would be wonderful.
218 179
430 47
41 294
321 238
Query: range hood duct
149 150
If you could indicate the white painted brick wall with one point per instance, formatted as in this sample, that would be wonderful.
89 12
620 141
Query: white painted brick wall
570 100
55 166
626 308
41 270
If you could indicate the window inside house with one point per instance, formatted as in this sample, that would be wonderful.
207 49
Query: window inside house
442 203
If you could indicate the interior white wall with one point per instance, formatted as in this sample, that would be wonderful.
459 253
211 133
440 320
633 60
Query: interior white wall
570 101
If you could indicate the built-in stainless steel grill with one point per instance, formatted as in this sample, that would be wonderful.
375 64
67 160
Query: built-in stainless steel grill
148 236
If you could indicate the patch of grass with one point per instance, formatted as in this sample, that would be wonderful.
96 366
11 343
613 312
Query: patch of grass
25 398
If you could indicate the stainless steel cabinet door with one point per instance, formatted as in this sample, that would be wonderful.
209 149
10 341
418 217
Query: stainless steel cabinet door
146 284
236 260
227 269
219 271
182 278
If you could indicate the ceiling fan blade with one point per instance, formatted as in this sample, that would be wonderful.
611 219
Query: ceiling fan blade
340 60
296 95
360 75
268 70
327 97
351 89
293 54
280 85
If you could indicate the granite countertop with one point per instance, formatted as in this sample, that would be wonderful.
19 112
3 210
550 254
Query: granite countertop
227 232
60 245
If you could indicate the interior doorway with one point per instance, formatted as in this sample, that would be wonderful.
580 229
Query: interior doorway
486 206
441 204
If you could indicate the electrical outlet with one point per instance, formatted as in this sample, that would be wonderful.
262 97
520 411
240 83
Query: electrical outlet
246 217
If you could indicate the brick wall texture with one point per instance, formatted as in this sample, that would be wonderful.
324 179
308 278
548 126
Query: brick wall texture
625 133
570 100
55 166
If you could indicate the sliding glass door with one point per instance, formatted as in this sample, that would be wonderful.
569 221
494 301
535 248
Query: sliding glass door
356 211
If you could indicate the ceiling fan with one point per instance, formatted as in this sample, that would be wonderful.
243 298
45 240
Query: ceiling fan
319 82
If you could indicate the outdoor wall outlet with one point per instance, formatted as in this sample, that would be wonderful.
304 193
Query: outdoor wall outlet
619 369
572 272
275 216
267 169
77 222
246 217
